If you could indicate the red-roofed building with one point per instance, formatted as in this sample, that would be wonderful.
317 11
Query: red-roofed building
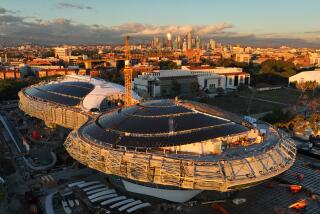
9 74
56 72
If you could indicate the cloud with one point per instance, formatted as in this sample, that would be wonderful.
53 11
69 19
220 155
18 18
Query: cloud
136 29
63 5
9 19
3 10
313 32
17 30
6 11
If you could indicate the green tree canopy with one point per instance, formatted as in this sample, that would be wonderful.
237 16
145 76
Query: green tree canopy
167 65
278 67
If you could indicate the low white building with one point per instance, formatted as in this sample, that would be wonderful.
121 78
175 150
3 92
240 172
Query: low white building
314 58
160 83
306 76
233 77
153 83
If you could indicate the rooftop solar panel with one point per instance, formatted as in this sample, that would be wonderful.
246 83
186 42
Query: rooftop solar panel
79 84
66 89
52 97
128 128
65 93
147 111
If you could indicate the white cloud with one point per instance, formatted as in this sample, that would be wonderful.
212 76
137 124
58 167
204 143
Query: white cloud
63 5
57 31
136 29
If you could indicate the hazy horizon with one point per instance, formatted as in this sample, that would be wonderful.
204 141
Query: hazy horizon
264 24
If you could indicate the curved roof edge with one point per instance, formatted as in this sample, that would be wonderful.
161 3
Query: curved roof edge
101 90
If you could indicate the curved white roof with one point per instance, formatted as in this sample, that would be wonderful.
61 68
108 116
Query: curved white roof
102 89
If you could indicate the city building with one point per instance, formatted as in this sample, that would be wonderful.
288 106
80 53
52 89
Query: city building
209 80
166 83
169 40
314 59
62 53
212 44
56 72
243 57
233 77
198 42
9 74
189 40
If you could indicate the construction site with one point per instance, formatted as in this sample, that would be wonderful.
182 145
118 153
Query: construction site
169 155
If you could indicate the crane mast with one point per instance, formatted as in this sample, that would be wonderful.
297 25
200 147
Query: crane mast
127 74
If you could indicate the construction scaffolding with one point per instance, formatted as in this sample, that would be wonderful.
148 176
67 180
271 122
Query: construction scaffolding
52 114
127 72
236 171
222 175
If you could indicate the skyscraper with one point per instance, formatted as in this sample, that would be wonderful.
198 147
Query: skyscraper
184 45
212 44
198 42
178 41
169 40
156 42
189 41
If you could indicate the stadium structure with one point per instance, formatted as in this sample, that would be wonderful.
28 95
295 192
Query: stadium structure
169 149
71 100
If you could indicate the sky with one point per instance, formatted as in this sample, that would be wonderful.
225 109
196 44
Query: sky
249 22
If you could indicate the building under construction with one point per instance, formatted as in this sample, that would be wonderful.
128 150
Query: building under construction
169 149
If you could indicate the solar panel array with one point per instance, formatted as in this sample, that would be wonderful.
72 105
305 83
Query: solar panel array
65 93
128 128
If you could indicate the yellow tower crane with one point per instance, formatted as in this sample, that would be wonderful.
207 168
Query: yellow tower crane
127 74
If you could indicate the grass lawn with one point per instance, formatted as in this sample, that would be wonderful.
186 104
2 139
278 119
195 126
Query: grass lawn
284 95
237 102
239 105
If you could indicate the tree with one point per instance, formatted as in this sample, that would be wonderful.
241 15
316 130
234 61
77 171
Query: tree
312 85
314 121
302 86
314 104
167 65
298 123
278 117
278 68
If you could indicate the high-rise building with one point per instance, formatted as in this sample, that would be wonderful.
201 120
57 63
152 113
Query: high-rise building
169 40
157 42
184 45
189 41
198 42
212 44
62 53
178 41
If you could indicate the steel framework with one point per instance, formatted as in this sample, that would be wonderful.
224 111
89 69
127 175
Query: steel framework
127 73
192 173
51 113
276 155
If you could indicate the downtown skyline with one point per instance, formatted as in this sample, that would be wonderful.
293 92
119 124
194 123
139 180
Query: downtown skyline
292 23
